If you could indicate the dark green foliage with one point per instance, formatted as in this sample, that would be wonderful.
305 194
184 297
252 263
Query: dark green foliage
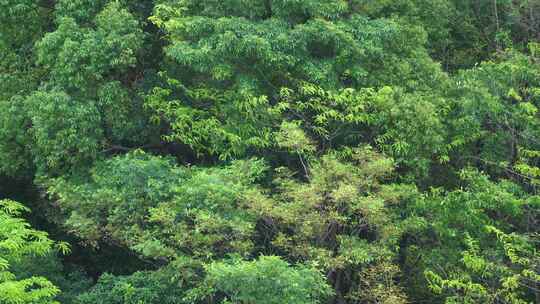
230 70
110 46
159 209
62 143
270 151
457 224
140 287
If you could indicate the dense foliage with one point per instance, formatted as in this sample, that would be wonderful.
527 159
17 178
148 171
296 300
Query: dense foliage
269 151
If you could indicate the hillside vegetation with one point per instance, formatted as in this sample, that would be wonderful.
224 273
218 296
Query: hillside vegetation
269 151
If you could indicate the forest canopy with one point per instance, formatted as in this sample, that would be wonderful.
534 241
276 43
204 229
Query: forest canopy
269 151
